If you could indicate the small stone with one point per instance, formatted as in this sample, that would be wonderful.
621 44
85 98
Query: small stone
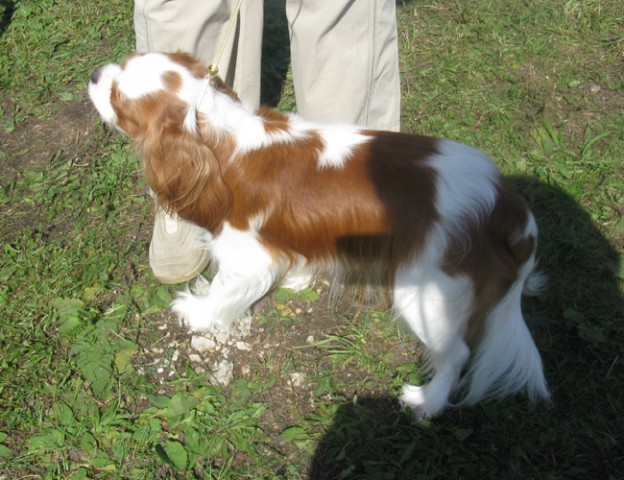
202 344
194 358
223 373
243 346
297 379
310 340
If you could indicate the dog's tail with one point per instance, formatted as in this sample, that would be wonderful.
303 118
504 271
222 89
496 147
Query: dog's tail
506 359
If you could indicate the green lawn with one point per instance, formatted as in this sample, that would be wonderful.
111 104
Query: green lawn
97 380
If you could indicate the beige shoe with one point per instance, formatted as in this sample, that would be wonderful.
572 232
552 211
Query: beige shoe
176 253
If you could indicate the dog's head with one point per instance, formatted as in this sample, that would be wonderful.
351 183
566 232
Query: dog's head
146 90
154 99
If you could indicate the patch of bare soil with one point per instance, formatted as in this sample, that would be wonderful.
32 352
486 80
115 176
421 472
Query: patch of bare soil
298 378
281 353
70 131
68 134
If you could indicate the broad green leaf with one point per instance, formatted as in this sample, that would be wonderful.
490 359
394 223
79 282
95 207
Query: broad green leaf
296 435
177 454
123 359
462 434
5 452
64 414
68 307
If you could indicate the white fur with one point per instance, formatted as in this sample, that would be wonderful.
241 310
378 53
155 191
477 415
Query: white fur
143 76
436 307
299 276
466 184
227 115
338 143
100 92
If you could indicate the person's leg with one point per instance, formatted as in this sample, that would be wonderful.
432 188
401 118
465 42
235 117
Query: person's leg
176 253
345 61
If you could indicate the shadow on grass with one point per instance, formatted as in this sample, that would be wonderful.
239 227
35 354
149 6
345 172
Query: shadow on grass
366 438
7 9
578 325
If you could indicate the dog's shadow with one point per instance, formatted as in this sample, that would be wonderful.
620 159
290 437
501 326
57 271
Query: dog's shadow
576 323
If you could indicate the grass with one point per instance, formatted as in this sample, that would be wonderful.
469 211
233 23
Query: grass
538 85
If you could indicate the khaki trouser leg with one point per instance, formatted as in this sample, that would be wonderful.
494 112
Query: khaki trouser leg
345 61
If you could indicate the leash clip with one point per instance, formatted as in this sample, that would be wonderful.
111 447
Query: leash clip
213 70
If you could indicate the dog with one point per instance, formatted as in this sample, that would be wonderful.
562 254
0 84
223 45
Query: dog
283 199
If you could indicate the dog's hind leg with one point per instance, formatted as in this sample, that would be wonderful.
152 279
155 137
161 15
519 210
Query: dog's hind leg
436 308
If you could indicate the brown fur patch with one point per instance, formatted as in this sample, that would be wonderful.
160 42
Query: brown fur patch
197 69
274 121
406 186
489 256
376 209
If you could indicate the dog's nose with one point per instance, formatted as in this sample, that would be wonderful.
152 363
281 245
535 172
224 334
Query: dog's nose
95 76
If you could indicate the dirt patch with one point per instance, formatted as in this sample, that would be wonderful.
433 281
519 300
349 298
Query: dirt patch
70 131
271 344
31 147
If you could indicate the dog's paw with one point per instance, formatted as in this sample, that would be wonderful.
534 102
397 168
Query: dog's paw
416 399
191 312
297 281
412 397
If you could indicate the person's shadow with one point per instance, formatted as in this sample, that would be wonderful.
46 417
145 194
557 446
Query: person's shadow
576 322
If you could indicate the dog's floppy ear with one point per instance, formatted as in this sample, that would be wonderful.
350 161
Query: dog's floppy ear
186 176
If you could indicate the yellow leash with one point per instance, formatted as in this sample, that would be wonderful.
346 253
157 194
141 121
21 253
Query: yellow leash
214 68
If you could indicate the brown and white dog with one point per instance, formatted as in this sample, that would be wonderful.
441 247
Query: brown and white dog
283 199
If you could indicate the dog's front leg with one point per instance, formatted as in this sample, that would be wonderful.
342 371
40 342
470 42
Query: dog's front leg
229 298
247 270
